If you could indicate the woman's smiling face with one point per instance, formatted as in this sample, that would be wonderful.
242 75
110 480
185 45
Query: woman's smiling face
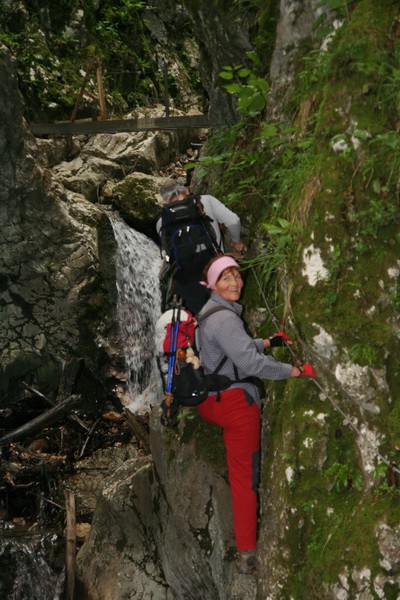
229 285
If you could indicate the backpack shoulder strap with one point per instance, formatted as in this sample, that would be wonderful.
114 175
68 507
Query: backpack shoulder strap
211 311
225 358
208 313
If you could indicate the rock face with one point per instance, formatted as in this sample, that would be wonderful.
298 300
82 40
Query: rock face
48 255
221 42
59 296
295 26
162 541
119 558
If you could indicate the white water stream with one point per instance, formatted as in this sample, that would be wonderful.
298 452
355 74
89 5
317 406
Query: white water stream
29 567
138 267
27 571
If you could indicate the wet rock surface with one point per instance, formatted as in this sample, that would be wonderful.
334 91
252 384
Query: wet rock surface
176 545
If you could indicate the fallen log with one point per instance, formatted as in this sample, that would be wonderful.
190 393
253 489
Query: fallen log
40 395
47 418
139 431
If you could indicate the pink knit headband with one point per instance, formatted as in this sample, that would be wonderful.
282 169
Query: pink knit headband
216 269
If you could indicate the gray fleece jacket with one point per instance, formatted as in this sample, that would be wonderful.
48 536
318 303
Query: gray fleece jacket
223 334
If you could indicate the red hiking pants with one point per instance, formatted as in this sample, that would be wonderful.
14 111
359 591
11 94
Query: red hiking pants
240 422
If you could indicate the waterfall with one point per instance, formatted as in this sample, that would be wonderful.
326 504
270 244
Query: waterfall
138 265
30 567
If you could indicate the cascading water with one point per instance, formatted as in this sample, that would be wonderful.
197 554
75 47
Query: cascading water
138 267
31 568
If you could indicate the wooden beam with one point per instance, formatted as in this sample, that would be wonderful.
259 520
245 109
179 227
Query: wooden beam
70 551
90 67
114 126
101 92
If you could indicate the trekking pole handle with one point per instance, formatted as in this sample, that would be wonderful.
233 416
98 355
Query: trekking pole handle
168 398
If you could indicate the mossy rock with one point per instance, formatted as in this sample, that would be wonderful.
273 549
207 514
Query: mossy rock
137 200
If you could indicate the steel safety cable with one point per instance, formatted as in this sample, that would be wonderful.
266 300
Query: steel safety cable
297 360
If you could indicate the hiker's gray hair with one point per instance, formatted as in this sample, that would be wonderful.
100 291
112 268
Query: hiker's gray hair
172 188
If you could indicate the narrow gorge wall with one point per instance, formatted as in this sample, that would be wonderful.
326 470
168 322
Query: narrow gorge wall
48 251
329 523
330 513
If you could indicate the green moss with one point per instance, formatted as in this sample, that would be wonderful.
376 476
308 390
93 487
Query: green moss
391 591
209 443
330 527
394 425
135 196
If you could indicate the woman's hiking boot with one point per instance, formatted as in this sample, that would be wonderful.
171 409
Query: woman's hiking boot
246 561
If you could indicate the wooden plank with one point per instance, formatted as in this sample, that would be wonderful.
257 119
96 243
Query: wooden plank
114 126
102 95
70 551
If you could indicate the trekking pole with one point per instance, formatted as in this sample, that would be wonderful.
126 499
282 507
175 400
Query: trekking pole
171 361
167 418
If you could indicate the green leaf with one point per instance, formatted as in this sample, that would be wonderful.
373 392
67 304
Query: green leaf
254 57
249 179
250 103
228 75
284 241
263 85
289 129
268 130
318 21
243 72
233 88
277 142
360 134
284 223
272 229
201 173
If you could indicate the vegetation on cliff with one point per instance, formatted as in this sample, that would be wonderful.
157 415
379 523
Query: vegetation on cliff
318 187
313 169
55 45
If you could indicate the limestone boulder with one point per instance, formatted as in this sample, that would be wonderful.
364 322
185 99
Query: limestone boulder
163 524
194 533
137 199
109 157
119 558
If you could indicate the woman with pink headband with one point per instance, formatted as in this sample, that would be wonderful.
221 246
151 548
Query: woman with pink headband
224 341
